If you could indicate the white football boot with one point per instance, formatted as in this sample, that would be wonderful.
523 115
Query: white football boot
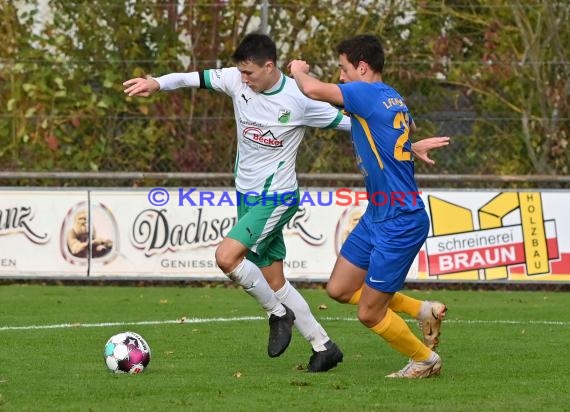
429 320
419 370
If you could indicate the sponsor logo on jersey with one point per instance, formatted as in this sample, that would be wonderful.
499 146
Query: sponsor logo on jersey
266 139
284 116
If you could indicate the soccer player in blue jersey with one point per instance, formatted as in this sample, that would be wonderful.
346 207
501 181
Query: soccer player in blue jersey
378 253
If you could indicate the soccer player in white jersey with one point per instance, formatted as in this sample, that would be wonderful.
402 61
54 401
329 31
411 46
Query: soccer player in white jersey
271 116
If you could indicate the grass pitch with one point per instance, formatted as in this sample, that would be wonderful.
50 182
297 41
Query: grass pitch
501 351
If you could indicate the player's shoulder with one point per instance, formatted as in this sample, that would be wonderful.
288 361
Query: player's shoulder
360 89
291 87
387 89
224 73
226 79
225 70
379 87
291 92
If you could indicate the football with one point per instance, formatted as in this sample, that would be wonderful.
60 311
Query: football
127 352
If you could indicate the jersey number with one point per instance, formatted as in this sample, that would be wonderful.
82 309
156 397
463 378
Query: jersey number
400 120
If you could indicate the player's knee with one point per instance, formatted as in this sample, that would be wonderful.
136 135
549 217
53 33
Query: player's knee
366 317
369 316
276 282
336 293
225 260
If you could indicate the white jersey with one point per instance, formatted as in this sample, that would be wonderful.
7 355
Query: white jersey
270 127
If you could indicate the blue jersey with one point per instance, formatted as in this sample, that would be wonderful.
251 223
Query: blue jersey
380 123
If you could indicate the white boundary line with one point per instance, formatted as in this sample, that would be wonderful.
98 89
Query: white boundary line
250 318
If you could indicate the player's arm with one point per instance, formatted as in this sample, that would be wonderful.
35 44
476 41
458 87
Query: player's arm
312 87
344 124
146 86
421 148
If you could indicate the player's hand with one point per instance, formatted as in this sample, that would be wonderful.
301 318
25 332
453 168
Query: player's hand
421 148
298 66
141 87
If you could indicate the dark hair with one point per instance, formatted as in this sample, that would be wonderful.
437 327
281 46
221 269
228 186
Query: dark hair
257 48
364 47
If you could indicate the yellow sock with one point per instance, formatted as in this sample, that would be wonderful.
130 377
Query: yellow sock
356 297
406 304
395 331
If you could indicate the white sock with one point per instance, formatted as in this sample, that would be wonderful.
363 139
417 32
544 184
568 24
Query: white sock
305 322
250 277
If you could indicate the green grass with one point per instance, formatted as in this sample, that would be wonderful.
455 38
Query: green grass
502 351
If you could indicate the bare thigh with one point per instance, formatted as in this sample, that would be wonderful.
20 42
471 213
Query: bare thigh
345 280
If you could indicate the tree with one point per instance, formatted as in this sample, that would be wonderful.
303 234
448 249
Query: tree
492 74
512 59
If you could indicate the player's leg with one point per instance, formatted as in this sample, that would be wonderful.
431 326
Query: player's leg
396 243
230 256
346 285
351 266
406 304
267 252
429 314
348 289
326 354
399 303
375 314
373 310
345 282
